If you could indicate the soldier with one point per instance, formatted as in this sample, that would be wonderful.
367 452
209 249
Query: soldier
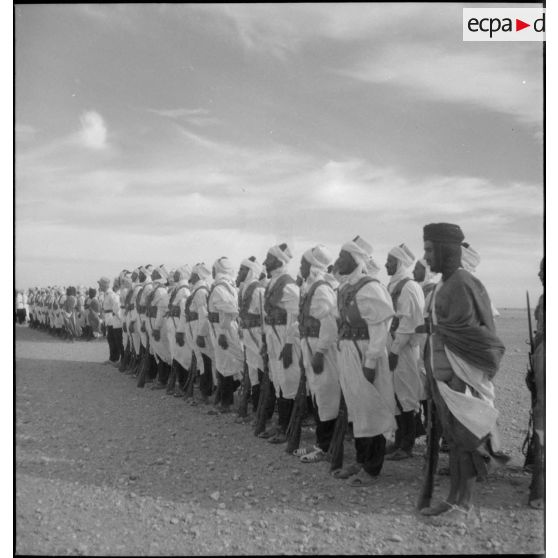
110 312
124 295
181 353
281 312
464 354
222 329
536 382
148 369
318 333
408 303
365 311
157 307
133 323
251 296
195 316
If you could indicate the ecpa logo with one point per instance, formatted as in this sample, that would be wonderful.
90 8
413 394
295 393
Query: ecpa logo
503 24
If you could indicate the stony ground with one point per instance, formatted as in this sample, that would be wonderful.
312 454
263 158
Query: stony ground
106 468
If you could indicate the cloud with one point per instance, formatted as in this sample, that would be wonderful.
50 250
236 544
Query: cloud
499 81
93 130
197 117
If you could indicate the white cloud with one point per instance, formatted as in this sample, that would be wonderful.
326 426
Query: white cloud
504 81
93 130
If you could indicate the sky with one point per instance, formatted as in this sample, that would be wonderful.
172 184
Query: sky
176 134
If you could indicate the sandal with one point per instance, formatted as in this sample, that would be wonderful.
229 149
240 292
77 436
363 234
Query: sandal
346 472
362 479
438 509
303 451
313 457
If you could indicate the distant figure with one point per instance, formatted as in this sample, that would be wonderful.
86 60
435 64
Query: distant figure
20 308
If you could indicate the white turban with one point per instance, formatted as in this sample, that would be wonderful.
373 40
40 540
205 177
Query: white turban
372 268
183 271
284 256
126 282
255 270
224 266
318 257
359 249
403 254
201 270
470 258
162 271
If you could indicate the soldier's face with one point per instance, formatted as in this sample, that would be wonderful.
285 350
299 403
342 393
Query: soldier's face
242 274
142 276
271 263
419 272
345 263
194 278
391 265
304 268
541 273
176 276
430 255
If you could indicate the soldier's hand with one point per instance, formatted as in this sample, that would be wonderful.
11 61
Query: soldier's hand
369 374
286 355
393 358
156 334
180 340
143 328
318 362
222 340
200 341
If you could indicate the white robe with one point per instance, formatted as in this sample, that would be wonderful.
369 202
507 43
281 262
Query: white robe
162 346
324 387
252 338
183 355
371 407
408 382
224 300
285 380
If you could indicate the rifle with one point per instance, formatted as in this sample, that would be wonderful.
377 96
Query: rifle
189 383
294 429
528 448
336 449
144 366
245 393
265 388
432 452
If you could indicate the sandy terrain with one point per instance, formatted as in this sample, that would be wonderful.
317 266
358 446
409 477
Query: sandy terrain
106 468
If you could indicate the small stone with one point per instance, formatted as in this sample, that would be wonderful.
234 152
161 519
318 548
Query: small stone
215 495
395 538
174 520
222 505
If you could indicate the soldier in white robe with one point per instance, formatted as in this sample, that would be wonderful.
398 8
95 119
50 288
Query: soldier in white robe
157 307
283 344
365 311
181 353
251 295
195 318
404 357
318 337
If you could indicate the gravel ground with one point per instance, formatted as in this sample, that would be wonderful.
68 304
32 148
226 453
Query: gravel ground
105 468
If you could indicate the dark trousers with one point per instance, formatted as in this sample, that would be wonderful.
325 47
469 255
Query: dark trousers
255 391
324 429
226 385
206 379
284 410
163 372
181 374
370 453
21 312
406 431
114 339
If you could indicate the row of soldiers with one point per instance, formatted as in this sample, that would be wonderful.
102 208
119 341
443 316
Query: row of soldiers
367 355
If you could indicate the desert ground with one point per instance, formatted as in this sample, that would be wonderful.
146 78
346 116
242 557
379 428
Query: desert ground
103 467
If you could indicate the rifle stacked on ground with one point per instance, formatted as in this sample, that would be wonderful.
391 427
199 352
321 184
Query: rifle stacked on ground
294 428
335 453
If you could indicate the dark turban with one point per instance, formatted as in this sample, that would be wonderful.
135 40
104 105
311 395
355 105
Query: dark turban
443 232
